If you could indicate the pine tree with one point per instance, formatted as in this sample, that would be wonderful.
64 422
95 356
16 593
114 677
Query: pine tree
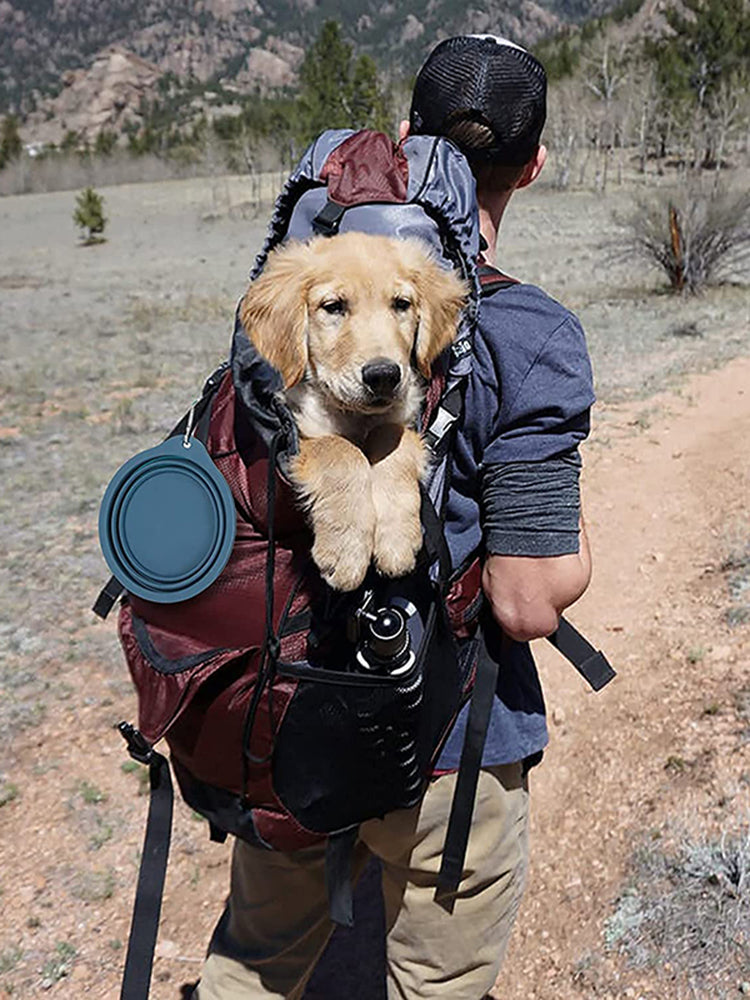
70 142
710 45
325 86
89 216
106 141
334 93
369 106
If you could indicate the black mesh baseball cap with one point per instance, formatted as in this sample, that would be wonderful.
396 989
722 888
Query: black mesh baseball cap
488 80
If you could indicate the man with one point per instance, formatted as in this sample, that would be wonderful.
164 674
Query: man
514 489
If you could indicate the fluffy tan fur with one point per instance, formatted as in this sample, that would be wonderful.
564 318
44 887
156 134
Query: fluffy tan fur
321 312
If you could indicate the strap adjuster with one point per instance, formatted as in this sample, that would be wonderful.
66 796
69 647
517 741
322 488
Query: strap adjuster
139 747
328 219
106 599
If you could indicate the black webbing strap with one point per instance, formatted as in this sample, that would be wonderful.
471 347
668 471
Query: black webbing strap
434 536
328 219
150 889
446 414
462 807
590 663
450 406
491 279
339 851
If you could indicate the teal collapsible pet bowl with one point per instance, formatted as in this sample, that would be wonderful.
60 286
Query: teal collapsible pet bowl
167 522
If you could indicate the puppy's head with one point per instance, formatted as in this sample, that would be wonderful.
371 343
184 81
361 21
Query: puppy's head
350 313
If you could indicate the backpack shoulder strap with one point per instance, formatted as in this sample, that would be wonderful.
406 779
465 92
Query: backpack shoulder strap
491 279
445 402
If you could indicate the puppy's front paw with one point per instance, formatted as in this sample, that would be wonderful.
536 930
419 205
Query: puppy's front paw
398 460
333 478
343 557
397 544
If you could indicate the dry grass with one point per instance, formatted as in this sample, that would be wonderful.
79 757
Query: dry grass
695 237
149 315
63 173
735 568
687 910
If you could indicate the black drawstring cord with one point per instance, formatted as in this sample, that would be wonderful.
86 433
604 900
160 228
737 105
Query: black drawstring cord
271 647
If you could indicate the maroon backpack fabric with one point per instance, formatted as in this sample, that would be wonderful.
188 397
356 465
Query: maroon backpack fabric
198 667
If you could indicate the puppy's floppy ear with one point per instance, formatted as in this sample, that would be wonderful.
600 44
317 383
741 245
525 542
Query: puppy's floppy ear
274 311
442 296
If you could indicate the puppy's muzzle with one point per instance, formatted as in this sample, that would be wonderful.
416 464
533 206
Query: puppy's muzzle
382 377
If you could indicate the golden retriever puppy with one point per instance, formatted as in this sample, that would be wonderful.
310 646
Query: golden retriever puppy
353 323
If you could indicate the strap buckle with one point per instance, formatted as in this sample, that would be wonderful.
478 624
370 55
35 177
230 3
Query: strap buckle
139 747
328 219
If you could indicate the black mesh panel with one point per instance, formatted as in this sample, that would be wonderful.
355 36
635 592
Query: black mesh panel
488 81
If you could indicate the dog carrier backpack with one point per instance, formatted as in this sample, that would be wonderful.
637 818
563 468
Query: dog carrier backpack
294 713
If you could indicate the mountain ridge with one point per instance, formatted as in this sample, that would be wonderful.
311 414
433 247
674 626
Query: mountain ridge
223 39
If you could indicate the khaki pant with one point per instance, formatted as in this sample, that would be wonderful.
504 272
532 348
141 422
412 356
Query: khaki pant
276 922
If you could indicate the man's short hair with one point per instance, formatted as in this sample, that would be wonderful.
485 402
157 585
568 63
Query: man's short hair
486 94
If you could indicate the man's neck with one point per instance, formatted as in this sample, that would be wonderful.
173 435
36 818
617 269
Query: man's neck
491 209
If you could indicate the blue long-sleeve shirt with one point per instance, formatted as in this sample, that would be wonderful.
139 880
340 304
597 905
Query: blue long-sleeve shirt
514 478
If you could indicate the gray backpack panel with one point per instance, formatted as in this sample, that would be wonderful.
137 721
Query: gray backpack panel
440 206
440 209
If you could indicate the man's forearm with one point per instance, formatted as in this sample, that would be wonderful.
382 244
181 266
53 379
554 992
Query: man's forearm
538 560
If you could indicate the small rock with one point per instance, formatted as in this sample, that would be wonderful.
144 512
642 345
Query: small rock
167 949
745 988
720 652
26 894
558 716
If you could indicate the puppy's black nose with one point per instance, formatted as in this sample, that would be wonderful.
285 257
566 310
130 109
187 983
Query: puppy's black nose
381 376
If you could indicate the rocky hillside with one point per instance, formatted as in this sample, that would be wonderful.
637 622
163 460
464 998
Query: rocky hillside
105 96
255 44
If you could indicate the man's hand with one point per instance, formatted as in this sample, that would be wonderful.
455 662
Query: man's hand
527 594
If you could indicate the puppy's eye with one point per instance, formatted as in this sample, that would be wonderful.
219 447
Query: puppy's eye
401 304
334 307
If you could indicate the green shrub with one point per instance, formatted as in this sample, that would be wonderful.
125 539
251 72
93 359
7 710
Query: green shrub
89 216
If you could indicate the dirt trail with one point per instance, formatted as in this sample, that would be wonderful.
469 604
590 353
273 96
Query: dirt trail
657 750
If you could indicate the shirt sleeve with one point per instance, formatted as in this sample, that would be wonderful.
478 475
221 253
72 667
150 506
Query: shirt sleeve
532 508
545 399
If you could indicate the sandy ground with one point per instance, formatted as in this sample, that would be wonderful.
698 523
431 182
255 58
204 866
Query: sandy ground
660 758
101 348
